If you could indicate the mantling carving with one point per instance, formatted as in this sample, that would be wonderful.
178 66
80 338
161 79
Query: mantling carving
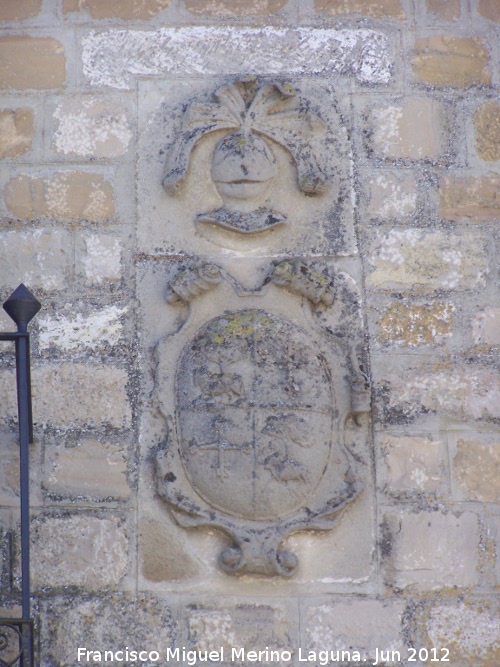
243 163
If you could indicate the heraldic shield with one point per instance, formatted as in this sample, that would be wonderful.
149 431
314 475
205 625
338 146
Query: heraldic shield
255 438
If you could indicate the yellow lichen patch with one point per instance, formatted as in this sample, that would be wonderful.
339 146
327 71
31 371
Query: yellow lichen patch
415 324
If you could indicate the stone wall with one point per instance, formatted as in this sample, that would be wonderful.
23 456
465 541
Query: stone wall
95 96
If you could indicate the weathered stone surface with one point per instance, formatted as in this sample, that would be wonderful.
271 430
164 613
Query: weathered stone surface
431 550
392 195
413 464
227 8
99 258
9 470
486 328
489 9
90 469
251 624
487 124
16 132
374 8
413 130
468 628
98 395
451 61
78 550
17 10
107 621
455 390
410 324
31 62
415 257
119 9
89 127
447 10
115 57
70 195
41 258
162 556
97 331
470 197
364 625
476 468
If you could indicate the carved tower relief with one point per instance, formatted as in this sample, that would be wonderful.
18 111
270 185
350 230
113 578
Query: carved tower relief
262 381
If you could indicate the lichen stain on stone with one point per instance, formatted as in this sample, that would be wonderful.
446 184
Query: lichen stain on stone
413 325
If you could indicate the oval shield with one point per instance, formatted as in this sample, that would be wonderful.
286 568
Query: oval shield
255 407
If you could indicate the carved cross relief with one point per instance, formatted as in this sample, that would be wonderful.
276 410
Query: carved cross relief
257 385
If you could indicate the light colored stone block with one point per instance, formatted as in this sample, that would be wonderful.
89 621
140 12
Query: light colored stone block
89 127
489 9
487 125
486 327
72 395
476 467
16 132
392 195
414 257
129 10
90 469
31 62
97 331
69 195
468 628
115 57
162 556
17 10
78 550
473 197
413 464
431 550
100 258
229 8
412 130
363 625
40 258
447 10
446 60
410 324
372 8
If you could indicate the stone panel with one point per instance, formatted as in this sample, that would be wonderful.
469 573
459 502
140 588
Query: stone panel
486 328
78 550
476 467
373 8
16 132
361 625
31 62
432 550
162 556
42 258
409 324
17 10
90 469
413 464
451 61
89 127
70 195
433 259
107 621
473 197
131 10
99 258
487 124
392 195
98 395
229 8
412 130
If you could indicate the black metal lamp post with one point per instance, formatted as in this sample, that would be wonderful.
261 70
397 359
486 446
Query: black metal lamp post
16 635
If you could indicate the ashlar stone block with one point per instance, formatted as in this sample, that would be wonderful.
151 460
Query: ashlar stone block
410 324
129 10
472 197
486 327
78 550
487 125
447 10
373 8
17 10
412 130
392 195
99 258
413 464
432 550
69 195
445 60
489 9
229 8
31 62
476 467
16 132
